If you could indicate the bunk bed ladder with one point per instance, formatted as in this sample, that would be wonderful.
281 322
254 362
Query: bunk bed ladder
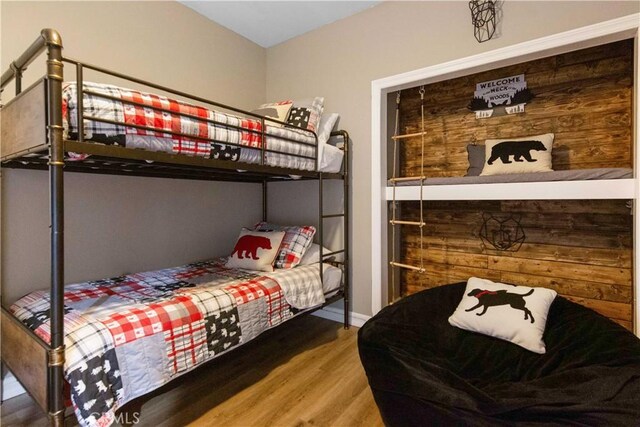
395 179
345 217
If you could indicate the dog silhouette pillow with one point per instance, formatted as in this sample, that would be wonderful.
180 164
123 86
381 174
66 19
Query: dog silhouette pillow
518 155
255 250
512 313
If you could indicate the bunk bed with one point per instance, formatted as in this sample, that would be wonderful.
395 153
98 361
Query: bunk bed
54 126
541 182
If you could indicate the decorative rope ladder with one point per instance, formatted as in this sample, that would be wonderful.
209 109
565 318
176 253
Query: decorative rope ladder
394 180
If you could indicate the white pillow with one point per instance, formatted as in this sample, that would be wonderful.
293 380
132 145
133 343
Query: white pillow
255 250
513 313
518 155
312 255
327 123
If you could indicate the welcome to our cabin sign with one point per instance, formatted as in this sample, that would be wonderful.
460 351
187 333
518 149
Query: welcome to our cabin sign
506 95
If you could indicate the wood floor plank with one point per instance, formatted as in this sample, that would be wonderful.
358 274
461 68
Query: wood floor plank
305 373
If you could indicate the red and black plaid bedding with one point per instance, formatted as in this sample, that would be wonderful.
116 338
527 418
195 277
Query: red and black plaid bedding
196 130
128 335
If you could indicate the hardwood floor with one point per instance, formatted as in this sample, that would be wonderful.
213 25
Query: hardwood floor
306 373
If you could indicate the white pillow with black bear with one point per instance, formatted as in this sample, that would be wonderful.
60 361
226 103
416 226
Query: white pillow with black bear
518 155
512 313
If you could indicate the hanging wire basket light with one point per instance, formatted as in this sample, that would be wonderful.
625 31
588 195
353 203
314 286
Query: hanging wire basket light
483 17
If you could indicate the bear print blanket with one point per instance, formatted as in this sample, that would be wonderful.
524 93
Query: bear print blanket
129 335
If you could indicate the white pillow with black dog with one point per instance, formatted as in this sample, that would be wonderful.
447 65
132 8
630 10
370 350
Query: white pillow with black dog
513 313
518 155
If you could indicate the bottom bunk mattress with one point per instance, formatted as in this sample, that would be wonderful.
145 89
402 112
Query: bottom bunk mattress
423 371
129 335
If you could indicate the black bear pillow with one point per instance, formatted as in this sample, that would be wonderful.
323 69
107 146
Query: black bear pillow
512 313
518 155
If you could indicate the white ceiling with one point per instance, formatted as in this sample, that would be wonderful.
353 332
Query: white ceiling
268 23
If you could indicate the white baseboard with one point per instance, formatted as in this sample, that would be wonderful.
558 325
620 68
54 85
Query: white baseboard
337 315
11 387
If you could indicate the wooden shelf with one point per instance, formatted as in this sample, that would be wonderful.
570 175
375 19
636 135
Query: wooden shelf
555 190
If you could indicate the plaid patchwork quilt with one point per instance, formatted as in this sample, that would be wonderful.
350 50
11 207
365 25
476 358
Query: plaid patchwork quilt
128 335
179 128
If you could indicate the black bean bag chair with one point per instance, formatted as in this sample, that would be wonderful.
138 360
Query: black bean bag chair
425 372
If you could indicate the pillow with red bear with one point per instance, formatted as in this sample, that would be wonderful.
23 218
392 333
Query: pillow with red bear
255 250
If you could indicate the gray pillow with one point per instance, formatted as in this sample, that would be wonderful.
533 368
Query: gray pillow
476 159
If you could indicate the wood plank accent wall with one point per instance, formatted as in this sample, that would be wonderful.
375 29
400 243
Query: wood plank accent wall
583 97
581 248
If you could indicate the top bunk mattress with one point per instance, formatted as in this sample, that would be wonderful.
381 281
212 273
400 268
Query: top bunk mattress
112 118
562 175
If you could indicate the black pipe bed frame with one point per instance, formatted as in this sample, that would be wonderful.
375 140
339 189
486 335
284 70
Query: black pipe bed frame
117 160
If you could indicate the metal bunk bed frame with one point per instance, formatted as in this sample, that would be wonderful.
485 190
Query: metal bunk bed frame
43 378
